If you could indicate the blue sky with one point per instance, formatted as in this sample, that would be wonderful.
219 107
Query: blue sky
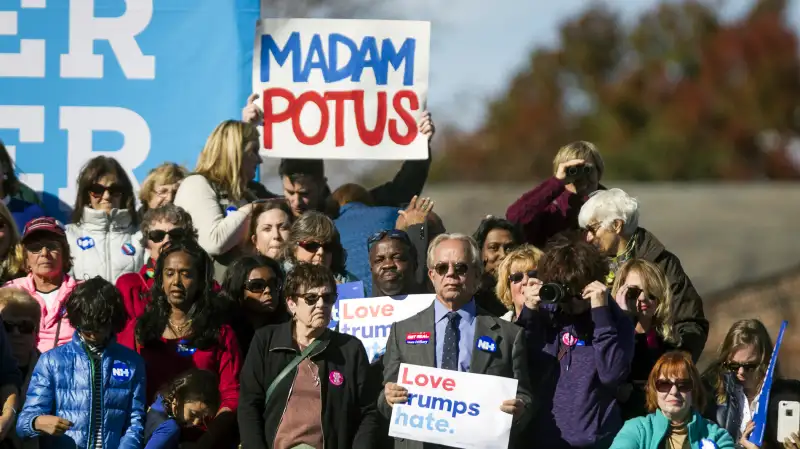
477 45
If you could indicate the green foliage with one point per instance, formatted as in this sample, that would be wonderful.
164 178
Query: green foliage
679 95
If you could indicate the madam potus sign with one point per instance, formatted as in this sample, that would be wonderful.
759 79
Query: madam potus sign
143 81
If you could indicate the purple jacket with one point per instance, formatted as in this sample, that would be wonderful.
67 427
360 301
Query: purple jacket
578 389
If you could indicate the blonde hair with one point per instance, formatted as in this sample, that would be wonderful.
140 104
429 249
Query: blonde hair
580 150
221 159
19 301
164 174
655 283
526 255
13 264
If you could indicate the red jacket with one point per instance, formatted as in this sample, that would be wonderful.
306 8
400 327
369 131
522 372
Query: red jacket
166 359
545 211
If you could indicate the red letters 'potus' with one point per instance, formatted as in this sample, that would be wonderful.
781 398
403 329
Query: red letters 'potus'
335 113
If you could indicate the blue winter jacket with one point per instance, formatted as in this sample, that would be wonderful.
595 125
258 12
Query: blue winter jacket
61 385
356 223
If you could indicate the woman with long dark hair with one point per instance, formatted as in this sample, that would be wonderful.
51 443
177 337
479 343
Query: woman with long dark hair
183 328
253 287
104 223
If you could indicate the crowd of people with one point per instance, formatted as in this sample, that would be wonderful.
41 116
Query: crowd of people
201 319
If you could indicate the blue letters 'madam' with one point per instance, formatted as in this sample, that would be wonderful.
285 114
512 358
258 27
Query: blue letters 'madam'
364 56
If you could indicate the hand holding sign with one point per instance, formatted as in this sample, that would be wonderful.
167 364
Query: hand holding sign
252 113
395 394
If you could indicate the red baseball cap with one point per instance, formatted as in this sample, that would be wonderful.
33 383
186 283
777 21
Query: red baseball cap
44 224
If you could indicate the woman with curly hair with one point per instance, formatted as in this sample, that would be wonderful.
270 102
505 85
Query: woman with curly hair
183 328
517 271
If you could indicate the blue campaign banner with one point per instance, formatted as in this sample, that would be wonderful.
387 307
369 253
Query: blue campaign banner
762 409
349 290
143 81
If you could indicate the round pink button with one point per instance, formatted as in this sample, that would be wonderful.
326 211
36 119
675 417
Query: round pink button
336 378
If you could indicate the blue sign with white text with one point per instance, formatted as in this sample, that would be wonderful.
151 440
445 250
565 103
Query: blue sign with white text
142 81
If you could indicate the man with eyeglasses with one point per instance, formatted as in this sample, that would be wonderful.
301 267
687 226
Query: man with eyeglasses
455 325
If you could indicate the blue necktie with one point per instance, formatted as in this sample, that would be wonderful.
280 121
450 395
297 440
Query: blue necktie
451 338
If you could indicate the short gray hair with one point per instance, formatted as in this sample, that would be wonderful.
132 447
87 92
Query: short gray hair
473 252
171 214
606 206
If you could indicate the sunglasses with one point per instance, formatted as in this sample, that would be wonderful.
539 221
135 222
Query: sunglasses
37 247
734 367
460 268
312 299
665 385
98 190
313 247
260 285
158 236
516 278
632 294
24 327
391 233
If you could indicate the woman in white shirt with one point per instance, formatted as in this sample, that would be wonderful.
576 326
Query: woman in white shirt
104 223
216 196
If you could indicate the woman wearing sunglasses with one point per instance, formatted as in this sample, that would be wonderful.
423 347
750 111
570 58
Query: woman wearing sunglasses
159 227
48 260
517 270
104 223
641 289
253 287
21 315
184 328
303 385
734 380
675 397
314 239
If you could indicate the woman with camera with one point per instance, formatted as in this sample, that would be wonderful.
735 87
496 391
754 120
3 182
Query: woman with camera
584 348
642 290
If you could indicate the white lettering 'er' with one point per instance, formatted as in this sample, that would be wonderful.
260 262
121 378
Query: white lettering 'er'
29 62
80 122
120 32
29 120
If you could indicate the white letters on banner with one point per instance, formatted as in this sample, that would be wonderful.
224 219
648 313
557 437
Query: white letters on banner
371 319
342 89
453 408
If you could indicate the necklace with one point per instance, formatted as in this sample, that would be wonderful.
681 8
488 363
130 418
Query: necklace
313 372
178 329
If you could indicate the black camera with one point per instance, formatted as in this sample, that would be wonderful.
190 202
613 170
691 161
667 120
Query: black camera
579 170
553 293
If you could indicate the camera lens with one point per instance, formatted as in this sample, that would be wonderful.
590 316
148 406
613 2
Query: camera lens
552 293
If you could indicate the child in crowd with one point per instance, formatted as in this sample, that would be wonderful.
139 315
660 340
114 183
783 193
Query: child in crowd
90 392
188 401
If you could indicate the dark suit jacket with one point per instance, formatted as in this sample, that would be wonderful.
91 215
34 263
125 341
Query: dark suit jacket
509 360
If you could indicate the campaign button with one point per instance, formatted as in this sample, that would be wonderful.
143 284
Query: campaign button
486 344
418 338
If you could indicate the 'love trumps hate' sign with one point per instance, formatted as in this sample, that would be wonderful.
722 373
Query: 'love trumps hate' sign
453 408
342 89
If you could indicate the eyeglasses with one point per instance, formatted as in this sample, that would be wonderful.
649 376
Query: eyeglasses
459 268
260 285
313 247
24 327
391 233
37 247
157 235
516 278
734 366
98 190
633 292
665 385
312 299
